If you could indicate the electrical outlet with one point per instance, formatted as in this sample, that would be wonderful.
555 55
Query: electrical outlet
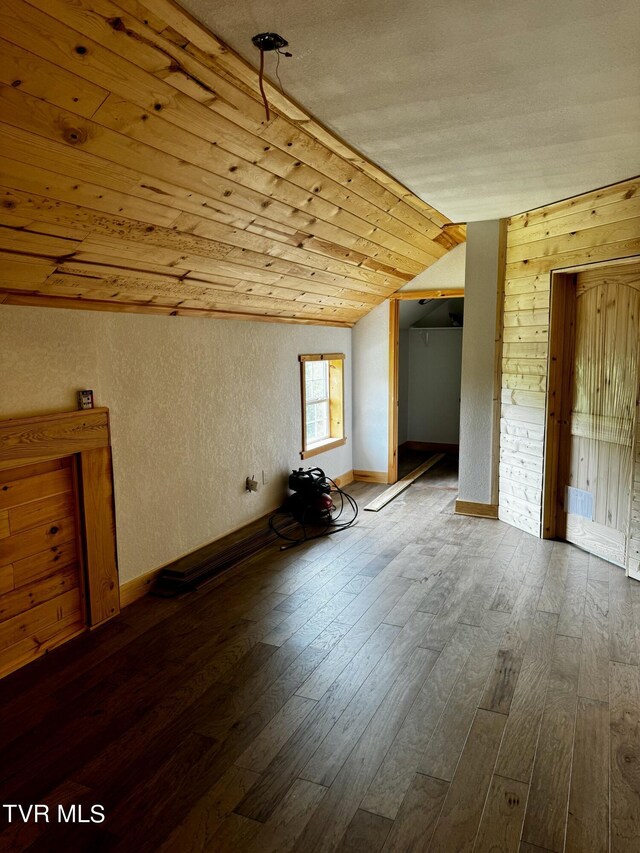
265 478
251 484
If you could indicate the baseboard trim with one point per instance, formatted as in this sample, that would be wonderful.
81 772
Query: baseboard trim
430 447
209 560
138 587
344 479
371 477
478 510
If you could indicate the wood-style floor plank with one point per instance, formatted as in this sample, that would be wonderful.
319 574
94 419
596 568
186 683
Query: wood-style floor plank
327 760
197 829
588 821
279 833
330 821
366 833
594 664
546 817
501 823
421 682
624 709
460 817
443 751
518 748
623 633
414 825
263 798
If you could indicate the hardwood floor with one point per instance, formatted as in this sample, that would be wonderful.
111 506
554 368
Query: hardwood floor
421 682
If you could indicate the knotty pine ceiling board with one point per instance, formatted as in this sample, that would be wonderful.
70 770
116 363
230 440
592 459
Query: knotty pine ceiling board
138 172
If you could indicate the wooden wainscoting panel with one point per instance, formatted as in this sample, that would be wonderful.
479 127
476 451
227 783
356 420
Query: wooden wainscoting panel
36 439
58 568
44 607
99 526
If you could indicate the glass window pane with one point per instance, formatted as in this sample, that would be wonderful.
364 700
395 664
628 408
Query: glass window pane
322 421
316 379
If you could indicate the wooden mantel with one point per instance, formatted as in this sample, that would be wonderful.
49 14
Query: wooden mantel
84 435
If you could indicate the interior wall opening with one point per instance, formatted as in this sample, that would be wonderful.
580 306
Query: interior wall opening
429 359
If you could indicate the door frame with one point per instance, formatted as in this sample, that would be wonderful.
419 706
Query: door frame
559 383
394 362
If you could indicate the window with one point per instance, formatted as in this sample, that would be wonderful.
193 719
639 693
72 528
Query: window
322 380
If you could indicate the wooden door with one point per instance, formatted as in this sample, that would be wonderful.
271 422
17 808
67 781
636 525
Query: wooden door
41 600
598 442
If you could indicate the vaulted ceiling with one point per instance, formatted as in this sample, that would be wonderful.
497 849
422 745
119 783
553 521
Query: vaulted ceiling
485 108
139 172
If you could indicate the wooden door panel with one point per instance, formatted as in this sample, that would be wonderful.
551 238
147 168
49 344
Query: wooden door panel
600 426
598 539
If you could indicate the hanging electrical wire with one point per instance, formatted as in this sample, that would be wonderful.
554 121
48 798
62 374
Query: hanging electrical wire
265 42
261 84
279 54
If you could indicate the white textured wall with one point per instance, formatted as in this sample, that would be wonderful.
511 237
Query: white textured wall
196 406
448 271
403 386
478 360
434 359
371 391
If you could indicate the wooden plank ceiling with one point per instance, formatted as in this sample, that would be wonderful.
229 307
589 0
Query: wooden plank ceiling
139 174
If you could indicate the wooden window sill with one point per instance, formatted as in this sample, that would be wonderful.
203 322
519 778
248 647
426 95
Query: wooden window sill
320 448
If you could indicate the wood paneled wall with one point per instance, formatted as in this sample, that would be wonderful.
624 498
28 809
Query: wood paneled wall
85 435
41 595
138 172
599 226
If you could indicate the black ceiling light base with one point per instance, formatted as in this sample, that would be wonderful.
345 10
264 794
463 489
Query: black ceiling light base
269 41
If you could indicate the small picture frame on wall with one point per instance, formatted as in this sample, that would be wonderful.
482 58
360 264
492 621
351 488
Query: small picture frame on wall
85 399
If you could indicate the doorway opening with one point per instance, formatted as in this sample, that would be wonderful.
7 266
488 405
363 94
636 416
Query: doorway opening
592 467
426 359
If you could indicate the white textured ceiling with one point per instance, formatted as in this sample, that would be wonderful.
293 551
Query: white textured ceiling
484 108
